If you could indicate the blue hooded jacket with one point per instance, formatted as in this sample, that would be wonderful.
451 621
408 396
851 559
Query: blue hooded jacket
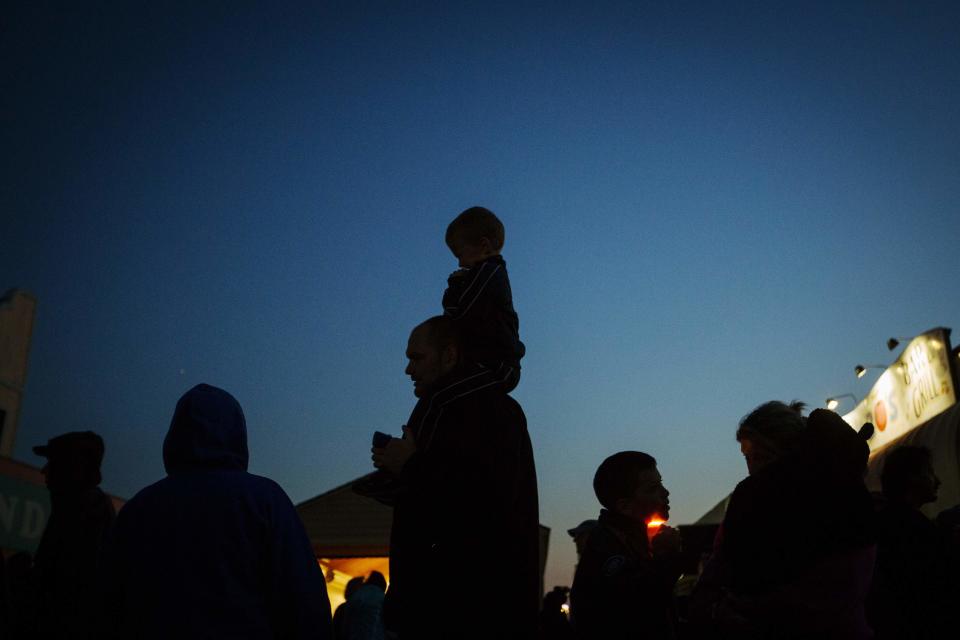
212 551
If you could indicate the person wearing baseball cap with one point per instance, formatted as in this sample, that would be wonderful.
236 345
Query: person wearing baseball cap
73 459
581 533
80 516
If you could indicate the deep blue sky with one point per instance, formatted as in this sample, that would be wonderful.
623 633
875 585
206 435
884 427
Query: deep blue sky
707 206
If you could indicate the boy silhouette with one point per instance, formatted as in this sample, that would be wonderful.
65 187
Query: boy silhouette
478 298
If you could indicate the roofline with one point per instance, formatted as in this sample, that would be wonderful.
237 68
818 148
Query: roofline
326 493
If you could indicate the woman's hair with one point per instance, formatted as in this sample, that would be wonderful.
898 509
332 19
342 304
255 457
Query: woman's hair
776 424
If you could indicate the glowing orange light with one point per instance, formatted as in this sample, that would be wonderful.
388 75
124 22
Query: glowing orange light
653 526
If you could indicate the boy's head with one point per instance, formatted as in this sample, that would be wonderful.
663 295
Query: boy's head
475 235
628 483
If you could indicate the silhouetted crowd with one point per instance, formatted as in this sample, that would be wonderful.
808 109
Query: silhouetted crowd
804 550
212 551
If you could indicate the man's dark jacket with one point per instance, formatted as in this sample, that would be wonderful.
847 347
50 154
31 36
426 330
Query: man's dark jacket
212 551
66 561
620 591
464 559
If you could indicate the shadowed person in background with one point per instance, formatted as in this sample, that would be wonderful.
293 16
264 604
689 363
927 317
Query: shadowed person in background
794 555
914 593
66 560
554 624
352 585
580 535
211 551
471 496
363 613
623 587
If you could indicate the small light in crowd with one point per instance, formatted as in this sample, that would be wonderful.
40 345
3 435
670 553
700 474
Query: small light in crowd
565 608
653 526
832 403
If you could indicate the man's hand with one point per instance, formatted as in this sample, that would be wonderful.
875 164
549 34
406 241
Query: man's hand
393 456
666 542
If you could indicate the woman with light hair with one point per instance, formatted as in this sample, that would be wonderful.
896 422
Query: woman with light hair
794 555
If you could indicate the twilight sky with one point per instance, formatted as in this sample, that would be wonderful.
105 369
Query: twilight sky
707 206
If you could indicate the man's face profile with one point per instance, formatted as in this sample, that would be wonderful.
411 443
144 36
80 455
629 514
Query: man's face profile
426 363
650 498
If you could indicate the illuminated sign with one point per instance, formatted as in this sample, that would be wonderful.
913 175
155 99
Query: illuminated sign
916 387
24 510
16 325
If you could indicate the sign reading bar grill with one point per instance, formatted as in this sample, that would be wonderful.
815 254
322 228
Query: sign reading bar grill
916 387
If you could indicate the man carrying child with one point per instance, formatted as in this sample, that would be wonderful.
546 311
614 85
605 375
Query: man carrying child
470 495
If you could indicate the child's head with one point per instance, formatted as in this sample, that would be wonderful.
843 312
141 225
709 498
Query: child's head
475 235
629 484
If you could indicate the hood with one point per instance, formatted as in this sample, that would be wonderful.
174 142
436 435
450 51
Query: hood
835 446
208 431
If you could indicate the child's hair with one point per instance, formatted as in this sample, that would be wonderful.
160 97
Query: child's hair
618 476
476 223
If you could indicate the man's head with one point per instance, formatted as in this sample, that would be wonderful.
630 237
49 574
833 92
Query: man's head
433 351
475 235
628 483
581 533
352 585
73 460
770 432
908 477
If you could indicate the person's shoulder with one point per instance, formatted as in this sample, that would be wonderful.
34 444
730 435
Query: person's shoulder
602 542
265 484
269 491
491 399
605 555
148 493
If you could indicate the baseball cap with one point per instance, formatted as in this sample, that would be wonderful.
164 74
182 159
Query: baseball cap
76 444
584 527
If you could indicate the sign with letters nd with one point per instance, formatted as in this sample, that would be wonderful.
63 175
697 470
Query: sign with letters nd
24 510
915 388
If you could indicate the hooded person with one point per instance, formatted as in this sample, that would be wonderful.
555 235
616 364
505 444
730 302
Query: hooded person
212 551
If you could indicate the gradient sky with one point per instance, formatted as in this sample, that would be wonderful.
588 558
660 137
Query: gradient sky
707 206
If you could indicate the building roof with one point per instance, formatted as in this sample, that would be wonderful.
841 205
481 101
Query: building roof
343 524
